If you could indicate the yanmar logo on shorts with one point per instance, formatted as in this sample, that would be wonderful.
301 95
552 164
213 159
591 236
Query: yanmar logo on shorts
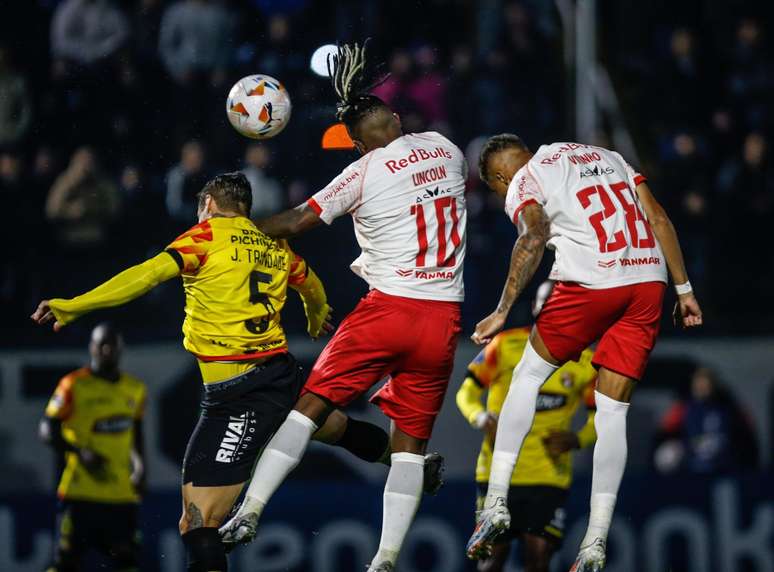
644 261
237 437
339 186
416 156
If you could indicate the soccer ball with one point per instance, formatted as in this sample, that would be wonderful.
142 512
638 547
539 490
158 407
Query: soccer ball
258 106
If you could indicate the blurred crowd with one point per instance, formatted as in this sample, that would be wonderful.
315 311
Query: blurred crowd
112 116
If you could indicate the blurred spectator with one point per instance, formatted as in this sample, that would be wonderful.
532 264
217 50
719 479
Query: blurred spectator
684 103
279 57
749 176
707 433
11 175
267 192
393 90
750 75
428 90
44 166
397 91
489 102
82 202
147 23
195 37
460 99
184 181
87 32
15 104
745 186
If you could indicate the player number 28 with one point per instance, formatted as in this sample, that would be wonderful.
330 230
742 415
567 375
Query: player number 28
609 208
441 206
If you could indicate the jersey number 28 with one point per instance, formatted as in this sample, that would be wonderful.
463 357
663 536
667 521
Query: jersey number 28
609 208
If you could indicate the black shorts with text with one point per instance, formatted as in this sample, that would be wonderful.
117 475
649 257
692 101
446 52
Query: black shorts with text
238 417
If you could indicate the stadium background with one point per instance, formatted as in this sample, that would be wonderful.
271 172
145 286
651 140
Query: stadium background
683 89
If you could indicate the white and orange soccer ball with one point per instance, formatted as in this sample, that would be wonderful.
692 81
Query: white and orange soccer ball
258 106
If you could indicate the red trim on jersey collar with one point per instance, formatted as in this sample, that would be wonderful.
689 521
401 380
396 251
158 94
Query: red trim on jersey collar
314 205
521 208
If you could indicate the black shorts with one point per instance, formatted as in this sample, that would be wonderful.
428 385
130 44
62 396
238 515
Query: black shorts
108 528
537 510
238 417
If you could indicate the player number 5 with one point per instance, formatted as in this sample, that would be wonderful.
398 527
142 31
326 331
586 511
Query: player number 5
255 325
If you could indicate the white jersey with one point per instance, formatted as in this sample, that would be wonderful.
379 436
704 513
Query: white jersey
407 201
598 230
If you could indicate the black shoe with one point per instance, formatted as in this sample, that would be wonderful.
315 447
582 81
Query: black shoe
434 467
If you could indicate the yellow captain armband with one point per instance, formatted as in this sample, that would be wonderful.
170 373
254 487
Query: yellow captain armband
120 289
316 306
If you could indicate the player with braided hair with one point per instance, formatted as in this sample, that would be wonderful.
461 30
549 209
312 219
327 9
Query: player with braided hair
406 197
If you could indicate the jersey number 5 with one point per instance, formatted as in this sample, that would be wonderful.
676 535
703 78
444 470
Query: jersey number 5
256 325
441 205
609 208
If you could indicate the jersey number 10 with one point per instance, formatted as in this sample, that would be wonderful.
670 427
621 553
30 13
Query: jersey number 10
441 205
609 208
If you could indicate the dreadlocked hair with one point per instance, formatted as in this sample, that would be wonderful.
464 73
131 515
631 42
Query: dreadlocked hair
350 78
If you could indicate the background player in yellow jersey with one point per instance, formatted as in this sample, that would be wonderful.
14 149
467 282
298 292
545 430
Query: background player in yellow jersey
543 473
94 419
235 280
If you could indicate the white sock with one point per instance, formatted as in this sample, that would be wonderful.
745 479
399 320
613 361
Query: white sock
516 420
402 494
609 464
281 455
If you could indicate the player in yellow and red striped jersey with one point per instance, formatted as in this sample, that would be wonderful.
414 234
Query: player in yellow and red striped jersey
94 419
235 280
543 474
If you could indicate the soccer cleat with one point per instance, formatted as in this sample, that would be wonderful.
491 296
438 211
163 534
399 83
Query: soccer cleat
241 529
490 524
433 478
384 566
591 558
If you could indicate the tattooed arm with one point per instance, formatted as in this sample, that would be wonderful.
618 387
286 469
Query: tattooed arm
525 259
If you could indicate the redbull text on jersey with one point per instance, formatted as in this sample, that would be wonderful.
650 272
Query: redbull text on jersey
416 155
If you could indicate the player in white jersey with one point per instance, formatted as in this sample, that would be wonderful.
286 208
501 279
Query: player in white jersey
406 198
613 245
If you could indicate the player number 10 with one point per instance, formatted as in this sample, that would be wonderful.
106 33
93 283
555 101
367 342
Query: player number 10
441 206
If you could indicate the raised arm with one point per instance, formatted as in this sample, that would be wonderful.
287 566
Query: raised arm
525 259
303 280
290 222
687 310
122 288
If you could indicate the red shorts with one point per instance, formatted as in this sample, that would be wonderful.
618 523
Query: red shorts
625 320
410 342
